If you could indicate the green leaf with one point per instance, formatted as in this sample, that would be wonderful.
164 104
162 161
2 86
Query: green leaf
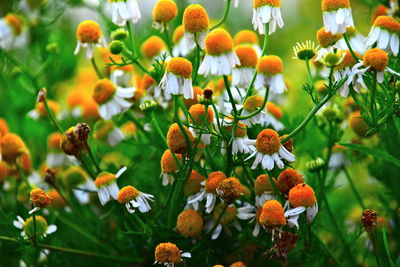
373 151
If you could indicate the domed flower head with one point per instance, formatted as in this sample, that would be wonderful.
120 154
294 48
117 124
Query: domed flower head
154 47
287 179
10 31
303 195
163 12
40 110
269 74
269 151
12 147
263 189
125 10
39 199
189 223
208 192
376 60
74 140
111 98
337 15
358 124
267 11
169 254
176 140
199 117
177 79
274 115
107 186
197 91
134 199
181 47
195 24
240 139
29 227
89 35
343 70
385 33
252 104
169 166
329 43
108 132
242 74
247 37
220 57
229 189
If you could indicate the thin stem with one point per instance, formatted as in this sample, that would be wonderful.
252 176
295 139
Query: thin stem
167 40
96 68
228 89
259 109
92 157
354 188
131 41
309 72
227 7
178 121
373 92
346 39
51 116
34 229
196 62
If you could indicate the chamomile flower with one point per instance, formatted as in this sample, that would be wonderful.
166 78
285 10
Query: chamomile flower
41 112
305 51
227 219
163 12
267 11
181 47
12 147
112 99
287 179
243 73
134 199
274 114
39 199
251 213
328 42
125 10
263 189
337 15
192 189
208 192
356 39
89 36
229 189
169 166
169 254
240 139
56 157
247 37
108 132
303 195
338 158
154 48
29 227
343 70
376 60
76 179
269 74
189 223
252 104
385 33
199 117
269 151
11 32
176 139
177 79
220 57
107 186
195 23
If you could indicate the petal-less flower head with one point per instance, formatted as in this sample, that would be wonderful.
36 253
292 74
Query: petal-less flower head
337 15
153 47
272 214
267 11
189 223
385 33
195 23
181 47
107 186
125 10
242 74
358 124
12 147
112 99
197 112
176 139
229 189
163 12
89 35
289 178
169 166
134 199
269 74
169 254
31 227
305 51
39 199
177 79
107 131
220 57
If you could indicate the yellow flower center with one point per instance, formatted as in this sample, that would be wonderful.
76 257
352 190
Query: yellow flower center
272 214
15 23
88 31
180 66
245 37
326 39
127 193
104 90
153 47
29 226
178 34
376 58
247 56
332 5
164 11
195 19
167 253
253 102
213 180
268 142
260 3
218 42
302 195
168 164
274 110
189 223
270 65
176 139
262 184
104 179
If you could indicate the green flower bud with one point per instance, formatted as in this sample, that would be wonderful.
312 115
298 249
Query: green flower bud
332 59
315 165
331 113
41 226
73 176
116 47
119 34
148 105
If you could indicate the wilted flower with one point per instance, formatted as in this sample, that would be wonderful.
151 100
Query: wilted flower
189 223
169 254
229 189
39 199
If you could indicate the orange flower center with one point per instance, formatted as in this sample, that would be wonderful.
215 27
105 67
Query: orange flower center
176 139
274 110
14 22
167 253
195 19
104 179
164 11
54 141
247 56
88 31
218 42
263 184
197 112
127 193
213 180
253 102
168 164
376 58
260 3
268 142
153 47
387 23
231 189
289 178
39 198
348 60
270 65
326 39
227 217
246 37
189 223
104 90
180 66
272 214
332 5
302 195
178 34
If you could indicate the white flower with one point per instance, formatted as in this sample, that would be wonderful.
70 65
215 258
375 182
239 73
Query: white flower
191 41
107 186
267 14
125 10
11 33
337 20
241 77
176 85
182 48
134 199
48 229
82 193
217 228
385 37
218 65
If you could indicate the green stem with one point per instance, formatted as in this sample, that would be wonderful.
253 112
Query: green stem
92 157
258 110
197 61
227 7
228 89
309 72
51 116
96 68
346 39
167 40
353 188
34 229
372 104
178 121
